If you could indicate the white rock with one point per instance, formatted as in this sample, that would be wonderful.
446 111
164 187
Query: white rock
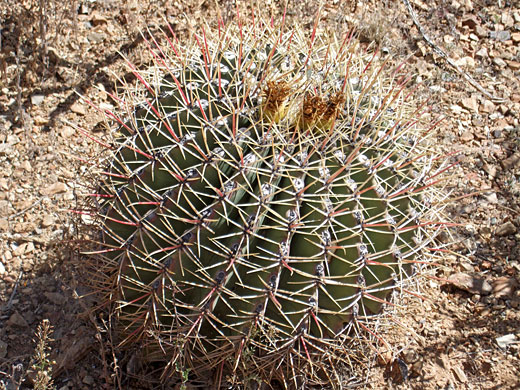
504 341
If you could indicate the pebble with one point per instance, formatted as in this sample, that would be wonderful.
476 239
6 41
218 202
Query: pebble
506 229
47 220
504 341
499 62
482 53
515 65
512 161
459 373
491 170
507 20
16 320
492 197
56 188
29 248
96 37
470 103
5 149
88 380
466 136
500 35
4 225
2 268
20 249
37 99
78 109
56 298
67 132
410 356
26 165
503 287
470 283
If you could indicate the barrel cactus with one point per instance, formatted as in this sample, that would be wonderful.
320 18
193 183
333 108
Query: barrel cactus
266 193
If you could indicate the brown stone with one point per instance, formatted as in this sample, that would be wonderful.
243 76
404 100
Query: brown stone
472 284
504 287
56 188
78 109
16 320
506 229
466 136
512 161
515 65
470 103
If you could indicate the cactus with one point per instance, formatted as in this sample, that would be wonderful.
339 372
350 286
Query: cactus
266 194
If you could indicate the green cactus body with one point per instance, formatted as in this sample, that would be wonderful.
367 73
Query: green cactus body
267 195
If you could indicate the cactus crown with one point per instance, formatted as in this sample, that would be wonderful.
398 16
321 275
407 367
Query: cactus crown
269 191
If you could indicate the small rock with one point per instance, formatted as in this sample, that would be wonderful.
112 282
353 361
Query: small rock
88 380
466 136
2 268
515 65
466 62
487 106
410 356
504 287
3 349
20 249
475 298
506 229
470 283
16 320
37 99
26 165
96 18
56 298
491 197
515 37
40 120
29 248
456 109
67 132
470 103
481 31
500 35
459 373
504 341
96 37
507 20
5 149
47 221
512 161
499 62
56 188
4 225
78 109
491 170
482 53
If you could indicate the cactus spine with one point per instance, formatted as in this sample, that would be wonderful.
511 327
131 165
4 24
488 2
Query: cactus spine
267 194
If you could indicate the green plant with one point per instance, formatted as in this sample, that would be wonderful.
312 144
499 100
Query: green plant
266 194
